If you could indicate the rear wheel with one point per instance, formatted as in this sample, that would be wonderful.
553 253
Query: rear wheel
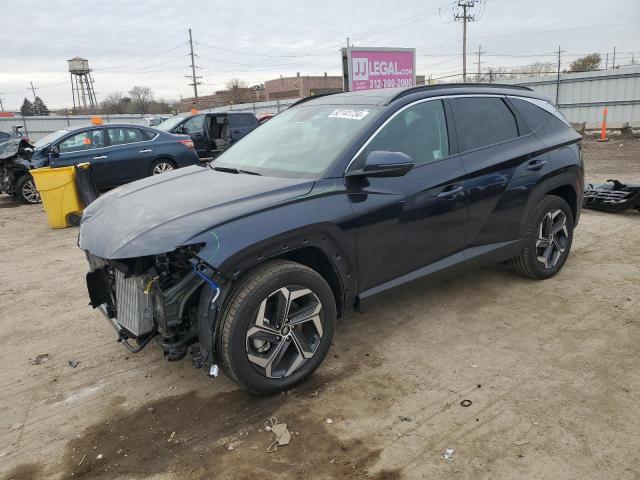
26 190
276 327
161 166
548 241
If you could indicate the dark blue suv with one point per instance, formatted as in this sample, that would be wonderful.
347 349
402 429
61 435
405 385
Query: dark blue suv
118 153
332 201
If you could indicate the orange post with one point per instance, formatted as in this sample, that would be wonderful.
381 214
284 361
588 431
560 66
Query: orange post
603 133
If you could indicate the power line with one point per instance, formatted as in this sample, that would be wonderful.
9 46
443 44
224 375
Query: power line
33 89
466 6
194 78
480 52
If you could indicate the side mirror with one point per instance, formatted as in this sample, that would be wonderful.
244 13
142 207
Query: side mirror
384 164
54 151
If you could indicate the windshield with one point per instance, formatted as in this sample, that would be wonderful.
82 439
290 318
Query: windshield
300 142
170 123
48 139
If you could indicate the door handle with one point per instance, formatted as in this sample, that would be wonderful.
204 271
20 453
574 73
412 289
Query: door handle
536 165
235 130
100 157
146 150
453 190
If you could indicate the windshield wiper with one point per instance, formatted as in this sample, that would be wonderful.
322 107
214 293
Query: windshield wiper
234 170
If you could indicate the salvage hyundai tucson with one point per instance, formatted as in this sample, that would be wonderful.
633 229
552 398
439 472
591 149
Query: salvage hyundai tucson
247 262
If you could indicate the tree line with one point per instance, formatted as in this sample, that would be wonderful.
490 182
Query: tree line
36 108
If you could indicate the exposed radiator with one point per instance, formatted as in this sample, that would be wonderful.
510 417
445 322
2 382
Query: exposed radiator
134 308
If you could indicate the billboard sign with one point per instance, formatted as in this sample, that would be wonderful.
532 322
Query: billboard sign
372 68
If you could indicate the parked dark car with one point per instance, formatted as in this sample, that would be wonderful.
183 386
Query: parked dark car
118 153
212 133
324 206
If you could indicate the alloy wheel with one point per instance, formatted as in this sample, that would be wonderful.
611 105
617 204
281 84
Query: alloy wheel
553 238
162 167
285 332
30 192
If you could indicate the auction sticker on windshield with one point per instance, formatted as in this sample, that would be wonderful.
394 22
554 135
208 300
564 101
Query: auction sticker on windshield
349 114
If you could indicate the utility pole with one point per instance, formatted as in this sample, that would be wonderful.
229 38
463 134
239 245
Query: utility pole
33 89
1 106
606 62
558 78
613 63
465 5
480 52
193 77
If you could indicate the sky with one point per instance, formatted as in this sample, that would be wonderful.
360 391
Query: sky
145 42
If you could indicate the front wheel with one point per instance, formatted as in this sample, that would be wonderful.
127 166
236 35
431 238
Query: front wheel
26 190
548 241
276 327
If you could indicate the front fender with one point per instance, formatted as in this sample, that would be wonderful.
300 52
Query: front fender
318 219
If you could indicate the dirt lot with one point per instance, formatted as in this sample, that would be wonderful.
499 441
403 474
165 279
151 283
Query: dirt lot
552 369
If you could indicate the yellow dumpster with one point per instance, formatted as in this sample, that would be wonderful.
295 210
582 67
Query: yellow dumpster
60 195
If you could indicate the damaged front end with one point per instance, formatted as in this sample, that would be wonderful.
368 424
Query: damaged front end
157 297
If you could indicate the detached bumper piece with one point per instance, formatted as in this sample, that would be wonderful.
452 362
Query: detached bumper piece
612 196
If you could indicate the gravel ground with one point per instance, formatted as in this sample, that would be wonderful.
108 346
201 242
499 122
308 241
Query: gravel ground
551 369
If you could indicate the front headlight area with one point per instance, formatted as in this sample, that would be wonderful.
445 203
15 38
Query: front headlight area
174 292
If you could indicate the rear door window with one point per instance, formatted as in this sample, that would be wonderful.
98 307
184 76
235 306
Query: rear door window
482 121
419 131
121 136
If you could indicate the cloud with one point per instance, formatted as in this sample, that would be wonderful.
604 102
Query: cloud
125 41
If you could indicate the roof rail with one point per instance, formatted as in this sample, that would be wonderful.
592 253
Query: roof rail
311 97
421 88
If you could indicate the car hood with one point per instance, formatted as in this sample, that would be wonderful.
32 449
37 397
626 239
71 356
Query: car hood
160 213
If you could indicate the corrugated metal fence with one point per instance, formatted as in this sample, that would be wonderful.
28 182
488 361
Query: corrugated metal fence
38 127
583 96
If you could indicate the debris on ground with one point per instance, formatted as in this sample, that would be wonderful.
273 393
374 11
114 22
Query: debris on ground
329 421
40 359
404 418
466 403
151 409
448 454
613 196
15 426
283 436
172 436
521 443
74 363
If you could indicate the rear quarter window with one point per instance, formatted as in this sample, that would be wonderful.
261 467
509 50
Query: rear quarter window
535 116
482 121
242 120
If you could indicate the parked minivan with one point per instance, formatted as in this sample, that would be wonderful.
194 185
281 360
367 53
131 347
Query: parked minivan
212 133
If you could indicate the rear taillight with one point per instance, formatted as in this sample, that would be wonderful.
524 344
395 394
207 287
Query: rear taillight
187 143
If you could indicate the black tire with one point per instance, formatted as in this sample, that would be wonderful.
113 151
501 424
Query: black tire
240 312
159 162
25 188
527 263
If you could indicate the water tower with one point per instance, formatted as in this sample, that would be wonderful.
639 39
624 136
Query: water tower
84 96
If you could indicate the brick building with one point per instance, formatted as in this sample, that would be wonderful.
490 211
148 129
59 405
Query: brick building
301 86
224 97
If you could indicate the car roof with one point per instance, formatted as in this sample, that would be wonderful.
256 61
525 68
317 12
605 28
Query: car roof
109 125
386 96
